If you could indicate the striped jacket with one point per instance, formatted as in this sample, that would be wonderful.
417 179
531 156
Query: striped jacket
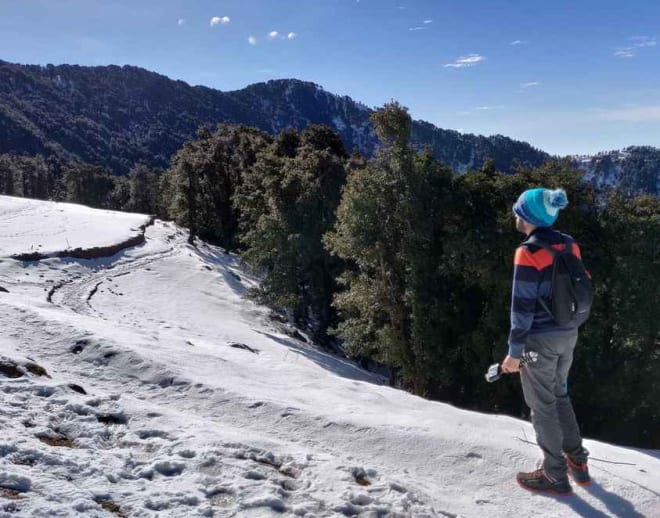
532 278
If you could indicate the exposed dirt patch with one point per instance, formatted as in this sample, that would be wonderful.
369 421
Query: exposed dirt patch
112 508
10 494
36 369
61 441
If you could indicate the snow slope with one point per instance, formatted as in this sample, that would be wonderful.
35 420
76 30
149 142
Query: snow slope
198 403
44 227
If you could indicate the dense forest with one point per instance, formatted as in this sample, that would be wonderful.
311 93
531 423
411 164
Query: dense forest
398 260
114 117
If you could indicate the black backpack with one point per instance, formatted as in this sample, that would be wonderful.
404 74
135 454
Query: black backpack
572 292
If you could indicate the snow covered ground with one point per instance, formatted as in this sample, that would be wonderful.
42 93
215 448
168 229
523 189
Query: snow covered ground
32 226
146 384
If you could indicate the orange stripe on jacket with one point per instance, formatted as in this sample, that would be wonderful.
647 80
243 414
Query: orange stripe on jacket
542 258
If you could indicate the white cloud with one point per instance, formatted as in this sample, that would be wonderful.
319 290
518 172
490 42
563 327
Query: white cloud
428 21
637 42
643 41
649 113
273 34
181 21
518 42
416 28
292 36
252 41
216 20
625 52
530 84
488 108
466 61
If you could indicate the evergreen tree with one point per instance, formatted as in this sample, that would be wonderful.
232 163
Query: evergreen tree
204 177
89 185
389 230
288 201
143 190
27 176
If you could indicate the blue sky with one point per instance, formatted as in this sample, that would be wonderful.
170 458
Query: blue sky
576 76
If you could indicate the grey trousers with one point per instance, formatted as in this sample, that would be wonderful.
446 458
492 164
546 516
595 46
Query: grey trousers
545 387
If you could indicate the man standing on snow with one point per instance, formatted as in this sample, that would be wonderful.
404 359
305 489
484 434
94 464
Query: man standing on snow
547 346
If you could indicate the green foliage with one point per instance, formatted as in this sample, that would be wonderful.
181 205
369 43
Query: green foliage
93 186
287 202
199 189
389 229
619 354
143 186
26 176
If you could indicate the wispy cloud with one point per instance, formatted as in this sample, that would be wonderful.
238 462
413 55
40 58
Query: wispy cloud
252 41
272 35
643 41
466 61
428 21
488 108
518 42
632 49
625 52
181 21
292 36
418 28
529 84
650 113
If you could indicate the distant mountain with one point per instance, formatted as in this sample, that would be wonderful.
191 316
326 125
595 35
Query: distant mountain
118 116
635 170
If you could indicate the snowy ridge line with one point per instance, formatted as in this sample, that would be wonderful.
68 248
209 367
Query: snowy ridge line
98 252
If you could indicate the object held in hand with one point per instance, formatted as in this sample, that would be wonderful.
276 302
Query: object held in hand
494 373
495 370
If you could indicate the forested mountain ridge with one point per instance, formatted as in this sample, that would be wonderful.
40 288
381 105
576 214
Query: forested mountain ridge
115 117
635 169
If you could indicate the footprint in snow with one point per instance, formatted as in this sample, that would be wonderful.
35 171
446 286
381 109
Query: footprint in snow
150 434
166 468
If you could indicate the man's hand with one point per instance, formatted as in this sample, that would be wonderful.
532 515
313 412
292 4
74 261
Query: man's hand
510 365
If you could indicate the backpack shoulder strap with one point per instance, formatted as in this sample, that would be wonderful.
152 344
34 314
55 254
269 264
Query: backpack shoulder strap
534 240
568 242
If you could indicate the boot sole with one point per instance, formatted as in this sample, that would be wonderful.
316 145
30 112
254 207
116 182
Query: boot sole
547 491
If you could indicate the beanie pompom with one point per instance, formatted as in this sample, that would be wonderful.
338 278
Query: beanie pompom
558 199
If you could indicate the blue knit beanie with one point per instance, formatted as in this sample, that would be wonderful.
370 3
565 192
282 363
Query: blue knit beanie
540 207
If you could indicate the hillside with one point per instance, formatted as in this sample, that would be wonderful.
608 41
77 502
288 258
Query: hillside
146 381
117 116
635 169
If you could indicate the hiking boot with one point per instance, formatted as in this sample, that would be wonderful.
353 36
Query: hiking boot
579 471
540 481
